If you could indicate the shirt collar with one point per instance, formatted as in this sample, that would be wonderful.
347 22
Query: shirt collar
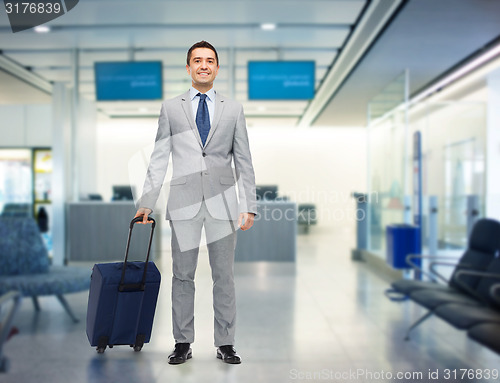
210 94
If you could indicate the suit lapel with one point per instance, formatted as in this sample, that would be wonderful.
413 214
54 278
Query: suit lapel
219 107
186 105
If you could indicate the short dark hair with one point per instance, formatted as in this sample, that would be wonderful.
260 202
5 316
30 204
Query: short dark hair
201 44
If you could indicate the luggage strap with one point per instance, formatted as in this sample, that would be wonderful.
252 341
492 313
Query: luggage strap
142 285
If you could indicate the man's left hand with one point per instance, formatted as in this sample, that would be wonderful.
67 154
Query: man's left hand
246 219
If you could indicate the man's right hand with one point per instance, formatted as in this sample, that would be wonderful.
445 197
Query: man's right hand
143 212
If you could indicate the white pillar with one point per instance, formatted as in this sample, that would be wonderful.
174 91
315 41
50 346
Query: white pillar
493 146
61 176
85 147
75 164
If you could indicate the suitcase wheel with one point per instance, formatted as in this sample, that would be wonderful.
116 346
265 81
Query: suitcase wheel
101 344
100 350
139 342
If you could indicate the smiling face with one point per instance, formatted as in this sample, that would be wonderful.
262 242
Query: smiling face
203 69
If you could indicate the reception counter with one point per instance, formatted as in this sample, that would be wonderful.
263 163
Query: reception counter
273 236
97 231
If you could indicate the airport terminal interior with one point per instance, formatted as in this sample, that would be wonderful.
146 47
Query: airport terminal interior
374 130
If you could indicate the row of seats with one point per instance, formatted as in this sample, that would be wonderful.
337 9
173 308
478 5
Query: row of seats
25 265
470 300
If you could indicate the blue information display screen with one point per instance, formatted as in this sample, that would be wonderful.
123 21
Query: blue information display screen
134 80
281 80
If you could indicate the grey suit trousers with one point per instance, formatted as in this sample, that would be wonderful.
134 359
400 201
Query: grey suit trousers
221 243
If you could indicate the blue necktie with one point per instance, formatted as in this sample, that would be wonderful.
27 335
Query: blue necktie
203 118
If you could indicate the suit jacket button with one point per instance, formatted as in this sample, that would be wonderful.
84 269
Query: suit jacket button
204 154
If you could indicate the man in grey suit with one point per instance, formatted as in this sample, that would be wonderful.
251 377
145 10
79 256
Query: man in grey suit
205 132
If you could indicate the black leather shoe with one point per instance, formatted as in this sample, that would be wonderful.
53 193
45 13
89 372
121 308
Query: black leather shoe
228 354
182 352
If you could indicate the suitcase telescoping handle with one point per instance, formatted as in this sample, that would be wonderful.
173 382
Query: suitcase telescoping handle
142 285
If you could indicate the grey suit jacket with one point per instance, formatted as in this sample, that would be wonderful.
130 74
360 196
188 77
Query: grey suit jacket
201 172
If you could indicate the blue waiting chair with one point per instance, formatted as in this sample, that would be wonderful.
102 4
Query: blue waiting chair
25 265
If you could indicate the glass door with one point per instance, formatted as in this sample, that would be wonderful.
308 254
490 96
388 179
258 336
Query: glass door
16 198
461 167
42 190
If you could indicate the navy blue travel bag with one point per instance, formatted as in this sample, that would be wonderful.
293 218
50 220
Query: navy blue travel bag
122 300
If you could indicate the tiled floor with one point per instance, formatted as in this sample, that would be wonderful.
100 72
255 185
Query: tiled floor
324 318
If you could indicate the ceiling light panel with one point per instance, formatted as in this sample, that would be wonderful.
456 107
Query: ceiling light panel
268 26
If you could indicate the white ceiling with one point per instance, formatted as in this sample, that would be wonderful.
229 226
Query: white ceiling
112 30
426 36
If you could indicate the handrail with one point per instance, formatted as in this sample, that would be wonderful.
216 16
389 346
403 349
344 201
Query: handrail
477 274
433 273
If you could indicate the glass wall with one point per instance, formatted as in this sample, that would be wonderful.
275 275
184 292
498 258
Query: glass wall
387 156
453 169
453 137
453 151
